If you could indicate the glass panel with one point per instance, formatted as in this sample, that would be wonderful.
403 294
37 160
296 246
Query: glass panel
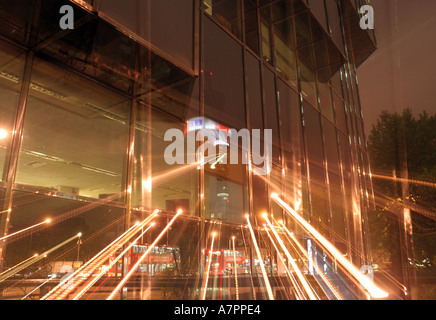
308 85
251 26
265 29
325 100
272 121
72 128
276 186
225 194
285 56
315 154
347 172
260 196
177 37
224 83
318 8
335 182
16 17
99 224
336 82
11 77
293 148
341 120
227 13
94 48
335 23
253 91
149 20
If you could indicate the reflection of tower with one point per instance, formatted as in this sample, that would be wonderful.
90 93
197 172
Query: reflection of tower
222 200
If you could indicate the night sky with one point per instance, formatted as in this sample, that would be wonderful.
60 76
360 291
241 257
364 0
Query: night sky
402 72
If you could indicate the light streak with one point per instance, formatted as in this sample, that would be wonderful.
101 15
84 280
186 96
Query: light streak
133 269
296 286
419 182
96 278
37 288
59 286
291 260
212 166
236 269
372 289
206 279
18 264
259 256
35 259
25 229
98 287
132 229
321 274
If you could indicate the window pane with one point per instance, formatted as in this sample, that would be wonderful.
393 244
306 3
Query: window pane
227 13
254 91
292 143
318 7
325 100
11 76
75 135
335 23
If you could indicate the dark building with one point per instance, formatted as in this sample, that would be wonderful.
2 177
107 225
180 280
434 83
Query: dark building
84 113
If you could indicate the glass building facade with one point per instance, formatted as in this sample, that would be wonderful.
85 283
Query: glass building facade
84 117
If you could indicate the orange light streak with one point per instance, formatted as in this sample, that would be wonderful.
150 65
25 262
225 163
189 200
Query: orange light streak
206 278
236 269
259 256
297 270
321 274
102 272
296 286
133 228
19 264
28 228
133 269
372 289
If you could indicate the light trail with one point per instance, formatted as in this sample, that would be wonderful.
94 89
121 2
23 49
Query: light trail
36 259
133 269
206 278
127 234
320 273
370 286
297 270
25 229
4 211
96 278
300 295
18 264
236 269
98 287
412 181
59 286
259 256
51 277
